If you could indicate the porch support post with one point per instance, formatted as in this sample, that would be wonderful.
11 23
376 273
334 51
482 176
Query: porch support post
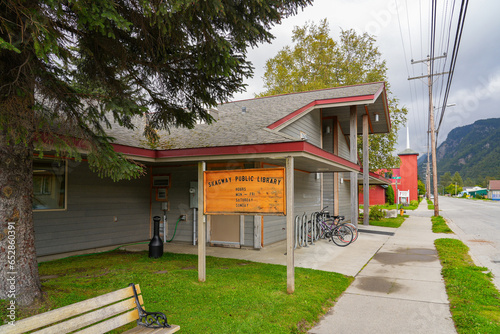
353 136
242 230
202 226
290 264
366 173
257 224
336 193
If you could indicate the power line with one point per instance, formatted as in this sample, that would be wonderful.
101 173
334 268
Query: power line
456 46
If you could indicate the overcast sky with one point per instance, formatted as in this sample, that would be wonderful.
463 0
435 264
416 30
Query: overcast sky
401 28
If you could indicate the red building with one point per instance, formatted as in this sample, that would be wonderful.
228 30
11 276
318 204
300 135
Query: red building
408 171
407 183
377 195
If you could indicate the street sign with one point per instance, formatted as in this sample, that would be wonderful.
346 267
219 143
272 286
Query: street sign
396 177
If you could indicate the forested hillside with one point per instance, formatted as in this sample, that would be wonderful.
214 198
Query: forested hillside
472 150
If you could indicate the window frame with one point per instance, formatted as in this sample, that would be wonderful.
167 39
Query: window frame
65 207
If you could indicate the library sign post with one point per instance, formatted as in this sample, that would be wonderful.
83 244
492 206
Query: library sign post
265 191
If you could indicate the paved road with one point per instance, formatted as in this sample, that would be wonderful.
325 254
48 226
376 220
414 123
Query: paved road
479 223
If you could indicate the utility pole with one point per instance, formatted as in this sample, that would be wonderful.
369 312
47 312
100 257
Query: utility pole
428 172
431 126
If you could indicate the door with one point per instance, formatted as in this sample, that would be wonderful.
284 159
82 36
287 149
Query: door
225 231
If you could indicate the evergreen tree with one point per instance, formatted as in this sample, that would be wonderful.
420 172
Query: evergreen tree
421 187
445 179
457 179
389 194
70 69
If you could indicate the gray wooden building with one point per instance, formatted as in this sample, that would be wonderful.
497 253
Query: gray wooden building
77 210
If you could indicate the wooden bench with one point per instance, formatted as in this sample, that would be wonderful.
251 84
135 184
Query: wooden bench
97 315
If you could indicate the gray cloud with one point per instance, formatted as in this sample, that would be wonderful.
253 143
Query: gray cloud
475 88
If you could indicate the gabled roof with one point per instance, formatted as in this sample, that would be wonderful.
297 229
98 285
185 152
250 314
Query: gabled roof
494 185
250 130
263 117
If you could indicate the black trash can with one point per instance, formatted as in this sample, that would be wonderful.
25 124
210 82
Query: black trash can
156 244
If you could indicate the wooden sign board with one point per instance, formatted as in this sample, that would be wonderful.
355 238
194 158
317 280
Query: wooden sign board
245 192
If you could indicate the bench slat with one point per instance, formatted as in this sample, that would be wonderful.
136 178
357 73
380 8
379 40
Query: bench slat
65 312
90 318
112 323
144 330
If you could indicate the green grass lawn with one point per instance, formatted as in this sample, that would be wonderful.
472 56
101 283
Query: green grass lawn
237 297
393 207
474 299
389 222
439 225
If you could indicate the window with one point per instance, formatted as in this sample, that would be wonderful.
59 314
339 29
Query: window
49 184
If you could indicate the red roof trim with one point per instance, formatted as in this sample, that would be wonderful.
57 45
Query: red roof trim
379 177
330 156
318 103
228 150
298 146
135 151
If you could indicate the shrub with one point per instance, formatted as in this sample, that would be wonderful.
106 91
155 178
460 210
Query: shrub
376 213
389 193
414 203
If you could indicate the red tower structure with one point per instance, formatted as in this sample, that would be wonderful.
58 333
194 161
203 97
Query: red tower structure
408 171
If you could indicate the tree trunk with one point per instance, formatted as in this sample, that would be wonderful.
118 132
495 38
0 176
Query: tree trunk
19 279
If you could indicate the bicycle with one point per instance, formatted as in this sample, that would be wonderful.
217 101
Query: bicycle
340 234
339 220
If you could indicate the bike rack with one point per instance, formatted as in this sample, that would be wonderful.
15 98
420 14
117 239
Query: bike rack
313 228
297 229
304 230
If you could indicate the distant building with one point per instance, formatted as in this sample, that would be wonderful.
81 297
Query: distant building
408 171
494 190
406 177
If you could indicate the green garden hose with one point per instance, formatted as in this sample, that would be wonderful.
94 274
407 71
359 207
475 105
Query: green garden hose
175 230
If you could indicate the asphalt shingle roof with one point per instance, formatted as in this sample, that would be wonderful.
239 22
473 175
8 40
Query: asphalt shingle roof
233 127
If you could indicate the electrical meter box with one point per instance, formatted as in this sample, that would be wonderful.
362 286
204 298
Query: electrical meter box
193 195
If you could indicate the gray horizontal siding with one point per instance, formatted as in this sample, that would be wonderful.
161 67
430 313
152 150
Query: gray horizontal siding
328 192
307 199
88 222
178 197
344 151
310 124
345 197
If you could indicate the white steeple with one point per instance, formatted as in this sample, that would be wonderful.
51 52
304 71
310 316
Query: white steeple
407 137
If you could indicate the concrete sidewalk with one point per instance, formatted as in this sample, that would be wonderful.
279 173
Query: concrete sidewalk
400 290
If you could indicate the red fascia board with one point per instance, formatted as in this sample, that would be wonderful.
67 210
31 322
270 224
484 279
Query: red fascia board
319 103
298 146
135 151
309 148
377 176
228 150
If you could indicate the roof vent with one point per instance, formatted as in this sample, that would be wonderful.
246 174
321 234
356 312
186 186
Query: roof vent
243 110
